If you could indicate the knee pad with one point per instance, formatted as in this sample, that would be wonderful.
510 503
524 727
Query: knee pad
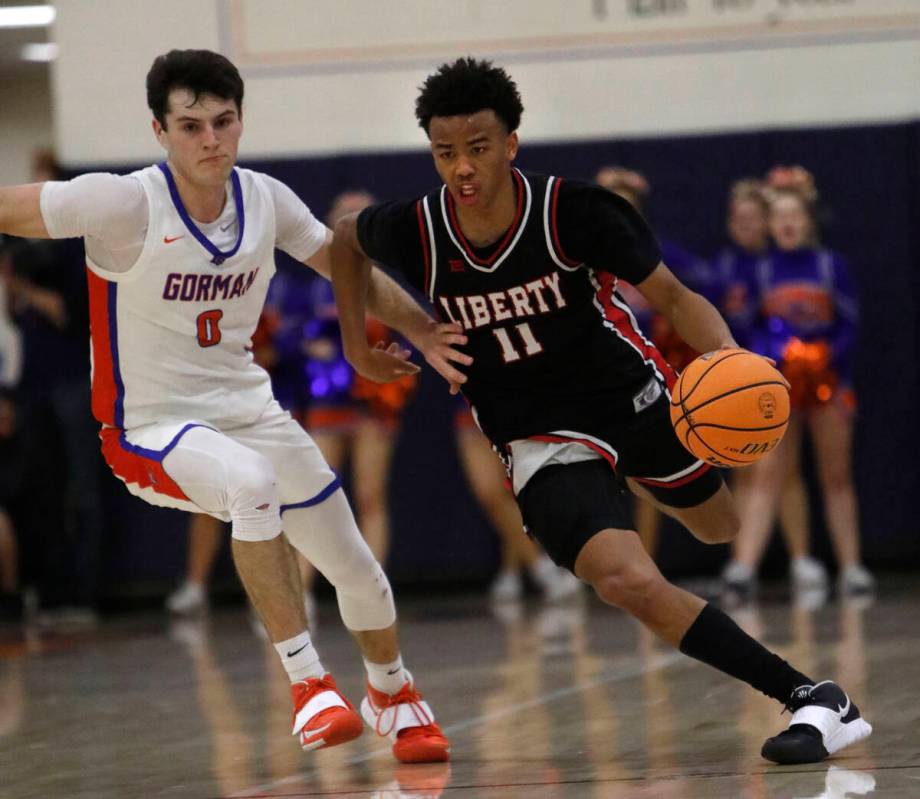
252 498
327 536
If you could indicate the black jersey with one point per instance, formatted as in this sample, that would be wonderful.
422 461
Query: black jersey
554 345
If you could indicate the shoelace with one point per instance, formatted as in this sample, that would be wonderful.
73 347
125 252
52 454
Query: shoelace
317 684
797 698
408 696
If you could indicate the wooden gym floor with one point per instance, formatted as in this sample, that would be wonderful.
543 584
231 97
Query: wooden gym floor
539 701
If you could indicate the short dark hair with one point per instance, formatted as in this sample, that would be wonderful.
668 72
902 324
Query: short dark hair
468 86
199 71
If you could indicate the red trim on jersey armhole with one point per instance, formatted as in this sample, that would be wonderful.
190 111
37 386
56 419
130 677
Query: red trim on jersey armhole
621 321
455 225
104 388
134 468
554 228
696 473
426 255
590 444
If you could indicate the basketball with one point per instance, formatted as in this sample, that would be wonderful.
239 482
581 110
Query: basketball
730 407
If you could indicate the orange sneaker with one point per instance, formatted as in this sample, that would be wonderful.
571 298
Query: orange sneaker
322 716
406 719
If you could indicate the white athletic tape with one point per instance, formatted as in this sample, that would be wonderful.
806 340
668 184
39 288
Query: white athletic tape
317 704
393 720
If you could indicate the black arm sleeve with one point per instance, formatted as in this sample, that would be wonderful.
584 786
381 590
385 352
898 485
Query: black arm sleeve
602 230
390 235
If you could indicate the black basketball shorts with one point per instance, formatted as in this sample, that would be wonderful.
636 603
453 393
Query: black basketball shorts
563 507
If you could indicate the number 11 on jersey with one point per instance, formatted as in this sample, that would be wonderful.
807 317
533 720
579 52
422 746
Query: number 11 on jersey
510 352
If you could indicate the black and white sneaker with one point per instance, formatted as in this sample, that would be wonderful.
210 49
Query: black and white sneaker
824 721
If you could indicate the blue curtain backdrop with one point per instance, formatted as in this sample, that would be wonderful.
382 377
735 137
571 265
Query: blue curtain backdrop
869 178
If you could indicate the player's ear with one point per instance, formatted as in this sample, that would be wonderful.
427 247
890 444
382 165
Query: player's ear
511 145
159 132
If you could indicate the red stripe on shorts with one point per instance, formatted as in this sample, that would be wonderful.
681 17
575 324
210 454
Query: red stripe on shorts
687 478
136 469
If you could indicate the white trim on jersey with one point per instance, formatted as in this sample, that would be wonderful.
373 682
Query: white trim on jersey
633 323
433 252
520 231
546 231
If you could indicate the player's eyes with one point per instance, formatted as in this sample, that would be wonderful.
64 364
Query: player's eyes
189 127
478 150
445 155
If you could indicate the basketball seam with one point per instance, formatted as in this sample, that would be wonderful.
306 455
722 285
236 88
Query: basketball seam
683 405
717 453
708 369
741 429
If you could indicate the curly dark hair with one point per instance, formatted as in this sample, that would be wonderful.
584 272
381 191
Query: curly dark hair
468 86
199 71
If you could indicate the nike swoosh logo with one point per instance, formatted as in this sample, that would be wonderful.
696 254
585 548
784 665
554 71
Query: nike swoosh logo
225 229
391 673
310 735
168 240
291 654
845 709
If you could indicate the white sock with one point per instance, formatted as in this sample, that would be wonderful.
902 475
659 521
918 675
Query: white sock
387 677
299 658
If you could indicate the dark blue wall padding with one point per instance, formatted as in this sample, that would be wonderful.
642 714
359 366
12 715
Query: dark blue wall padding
869 178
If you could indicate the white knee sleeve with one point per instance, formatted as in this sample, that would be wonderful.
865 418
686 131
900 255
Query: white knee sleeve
327 536
255 508
228 480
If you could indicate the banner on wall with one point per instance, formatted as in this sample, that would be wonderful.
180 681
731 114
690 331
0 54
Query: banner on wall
403 33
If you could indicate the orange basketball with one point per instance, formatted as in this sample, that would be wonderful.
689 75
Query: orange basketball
730 407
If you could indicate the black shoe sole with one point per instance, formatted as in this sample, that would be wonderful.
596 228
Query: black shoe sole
793 746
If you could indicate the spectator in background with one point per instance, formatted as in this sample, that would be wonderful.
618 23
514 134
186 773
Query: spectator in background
10 338
351 419
807 322
48 296
735 268
691 271
205 536
486 476
12 485
11 451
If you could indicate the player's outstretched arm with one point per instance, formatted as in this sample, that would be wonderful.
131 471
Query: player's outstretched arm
21 213
358 287
694 318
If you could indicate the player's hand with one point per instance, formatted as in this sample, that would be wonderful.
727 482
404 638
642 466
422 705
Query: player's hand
734 346
438 344
772 363
384 363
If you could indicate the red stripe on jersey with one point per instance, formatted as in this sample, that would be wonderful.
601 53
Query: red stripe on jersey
455 225
134 468
105 389
620 319
590 444
426 254
688 478
554 228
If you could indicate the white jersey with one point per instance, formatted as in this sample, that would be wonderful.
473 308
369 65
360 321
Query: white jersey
171 336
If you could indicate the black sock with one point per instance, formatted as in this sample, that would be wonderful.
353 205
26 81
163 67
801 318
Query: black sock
715 639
